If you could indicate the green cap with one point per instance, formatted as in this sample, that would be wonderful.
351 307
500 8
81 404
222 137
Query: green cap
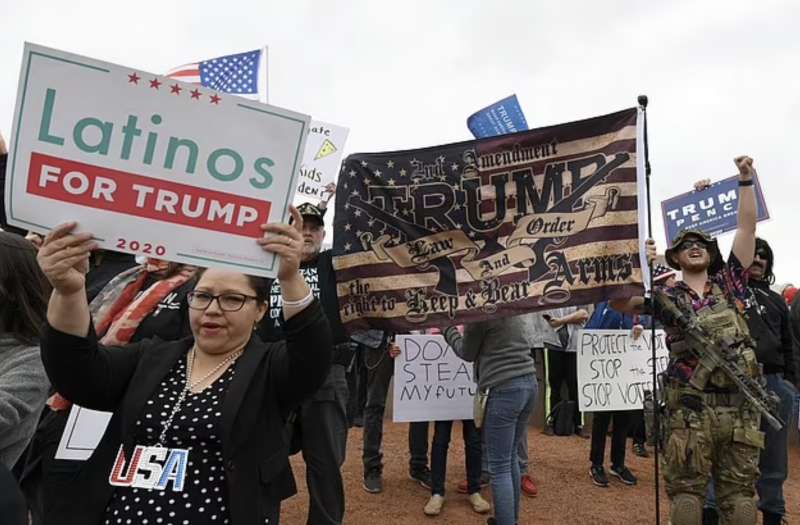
713 249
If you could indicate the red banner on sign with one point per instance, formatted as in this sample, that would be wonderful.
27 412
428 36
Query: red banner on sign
130 194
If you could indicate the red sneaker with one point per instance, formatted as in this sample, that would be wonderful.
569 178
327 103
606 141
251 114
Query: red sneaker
528 486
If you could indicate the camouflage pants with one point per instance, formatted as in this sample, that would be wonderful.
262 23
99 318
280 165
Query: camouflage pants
722 442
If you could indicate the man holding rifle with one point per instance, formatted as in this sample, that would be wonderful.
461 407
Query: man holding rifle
713 394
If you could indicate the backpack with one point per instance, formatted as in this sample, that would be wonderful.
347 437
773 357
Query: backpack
561 419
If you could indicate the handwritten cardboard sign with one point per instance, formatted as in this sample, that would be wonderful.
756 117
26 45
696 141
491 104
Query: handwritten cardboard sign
431 383
614 370
321 160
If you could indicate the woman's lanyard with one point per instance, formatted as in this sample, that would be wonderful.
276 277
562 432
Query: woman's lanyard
153 467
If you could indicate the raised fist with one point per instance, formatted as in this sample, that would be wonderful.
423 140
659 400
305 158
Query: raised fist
745 165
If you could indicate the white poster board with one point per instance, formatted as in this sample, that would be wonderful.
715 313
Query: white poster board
431 383
82 434
321 161
614 370
150 165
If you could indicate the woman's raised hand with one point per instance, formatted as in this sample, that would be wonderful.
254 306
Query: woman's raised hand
285 240
64 258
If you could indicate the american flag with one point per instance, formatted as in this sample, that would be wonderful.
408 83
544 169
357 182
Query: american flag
243 74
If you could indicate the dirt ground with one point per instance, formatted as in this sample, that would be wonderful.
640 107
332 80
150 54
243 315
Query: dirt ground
560 468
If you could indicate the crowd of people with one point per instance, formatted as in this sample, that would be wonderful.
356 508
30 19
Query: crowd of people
215 378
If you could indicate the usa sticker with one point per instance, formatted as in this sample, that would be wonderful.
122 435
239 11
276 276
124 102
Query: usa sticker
151 468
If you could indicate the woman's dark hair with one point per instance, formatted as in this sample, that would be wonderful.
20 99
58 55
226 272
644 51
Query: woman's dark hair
763 247
24 290
260 285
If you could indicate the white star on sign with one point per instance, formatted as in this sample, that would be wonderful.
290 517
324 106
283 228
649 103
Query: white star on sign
357 213
364 163
390 164
352 173
402 173
377 173
454 166
347 227
391 182
347 246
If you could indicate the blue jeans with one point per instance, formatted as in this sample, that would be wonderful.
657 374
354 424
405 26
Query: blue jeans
472 455
510 403
774 460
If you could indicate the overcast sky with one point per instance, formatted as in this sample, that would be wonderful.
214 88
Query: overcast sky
722 76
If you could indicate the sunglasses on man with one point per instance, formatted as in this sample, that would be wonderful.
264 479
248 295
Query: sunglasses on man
692 243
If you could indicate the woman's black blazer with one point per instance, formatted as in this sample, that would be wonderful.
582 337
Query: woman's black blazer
271 379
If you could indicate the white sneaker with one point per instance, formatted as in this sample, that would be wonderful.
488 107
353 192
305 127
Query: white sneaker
479 505
434 505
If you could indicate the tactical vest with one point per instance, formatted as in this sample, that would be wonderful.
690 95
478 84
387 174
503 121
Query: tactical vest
724 323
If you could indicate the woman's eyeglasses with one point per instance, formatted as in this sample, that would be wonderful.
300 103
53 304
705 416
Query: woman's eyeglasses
228 302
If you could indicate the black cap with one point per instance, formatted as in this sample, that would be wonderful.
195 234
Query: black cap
312 210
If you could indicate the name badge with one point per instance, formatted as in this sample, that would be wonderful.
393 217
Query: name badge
150 468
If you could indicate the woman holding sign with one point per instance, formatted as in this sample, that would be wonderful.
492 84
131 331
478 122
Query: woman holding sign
197 434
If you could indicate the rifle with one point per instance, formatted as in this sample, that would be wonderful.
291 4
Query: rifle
655 406
718 353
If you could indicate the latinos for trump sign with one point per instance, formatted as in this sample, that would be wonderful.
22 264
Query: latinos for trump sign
712 210
151 166
431 383
614 370
497 226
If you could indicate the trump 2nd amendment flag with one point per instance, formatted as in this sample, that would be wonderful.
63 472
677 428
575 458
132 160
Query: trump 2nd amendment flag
492 227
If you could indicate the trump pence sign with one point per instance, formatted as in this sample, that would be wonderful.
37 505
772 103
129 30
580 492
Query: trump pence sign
149 165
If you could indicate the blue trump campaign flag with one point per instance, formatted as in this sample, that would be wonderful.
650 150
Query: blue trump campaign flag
712 210
504 116
243 74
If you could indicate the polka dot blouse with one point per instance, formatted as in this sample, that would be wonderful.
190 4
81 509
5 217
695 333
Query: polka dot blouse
197 427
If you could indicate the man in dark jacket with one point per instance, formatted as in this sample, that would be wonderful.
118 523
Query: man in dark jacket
322 420
794 325
768 319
